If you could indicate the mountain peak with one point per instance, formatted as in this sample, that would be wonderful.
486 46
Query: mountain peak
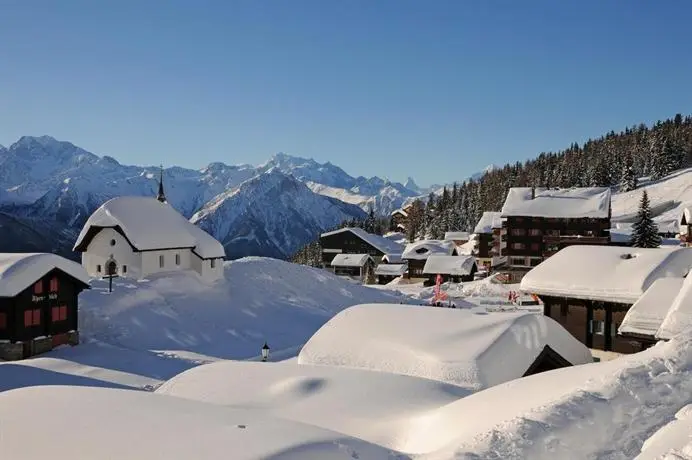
411 184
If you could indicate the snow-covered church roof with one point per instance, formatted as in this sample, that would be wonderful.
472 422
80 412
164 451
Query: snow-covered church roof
19 271
592 202
606 273
382 244
149 224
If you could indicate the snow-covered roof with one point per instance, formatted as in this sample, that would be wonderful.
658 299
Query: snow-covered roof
378 242
392 259
350 260
421 250
18 271
400 211
687 216
647 313
488 221
449 265
593 202
457 236
671 441
472 350
391 269
678 316
605 273
149 224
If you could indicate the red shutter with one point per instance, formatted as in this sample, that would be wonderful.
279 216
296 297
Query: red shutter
37 317
55 314
3 320
28 319
38 287
63 312
54 284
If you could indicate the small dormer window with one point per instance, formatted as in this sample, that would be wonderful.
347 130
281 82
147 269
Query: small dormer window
112 242
421 250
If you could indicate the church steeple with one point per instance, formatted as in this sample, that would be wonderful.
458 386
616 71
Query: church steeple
161 196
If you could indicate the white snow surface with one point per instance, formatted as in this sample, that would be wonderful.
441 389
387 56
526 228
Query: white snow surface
449 265
456 236
421 250
382 244
18 271
374 406
149 224
593 202
605 272
488 221
391 269
673 441
679 314
125 424
350 260
473 350
259 299
648 312
392 259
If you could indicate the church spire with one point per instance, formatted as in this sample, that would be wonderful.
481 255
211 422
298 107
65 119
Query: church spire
161 196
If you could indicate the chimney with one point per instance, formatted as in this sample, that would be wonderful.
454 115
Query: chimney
533 192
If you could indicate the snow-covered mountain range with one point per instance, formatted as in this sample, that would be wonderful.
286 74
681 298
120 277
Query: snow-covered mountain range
272 209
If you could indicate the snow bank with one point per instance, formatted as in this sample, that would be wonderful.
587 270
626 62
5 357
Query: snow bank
374 406
679 313
421 250
19 271
647 313
124 424
673 441
449 265
149 224
471 349
593 202
606 273
259 299
488 221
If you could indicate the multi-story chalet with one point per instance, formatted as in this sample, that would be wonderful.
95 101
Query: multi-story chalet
356 241
416 254
541 221
488 245
38 303
589 289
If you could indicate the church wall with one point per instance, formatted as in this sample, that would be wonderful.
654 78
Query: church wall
204 268
151 261
108 242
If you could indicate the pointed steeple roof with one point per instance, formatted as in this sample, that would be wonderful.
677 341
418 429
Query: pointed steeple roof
161 196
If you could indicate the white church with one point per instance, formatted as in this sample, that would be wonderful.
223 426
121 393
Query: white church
135 236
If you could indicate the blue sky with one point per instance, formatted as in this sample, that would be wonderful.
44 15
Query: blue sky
430 89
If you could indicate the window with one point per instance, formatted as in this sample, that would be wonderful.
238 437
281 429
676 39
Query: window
518 246
518 231
517 261
112 242
177 259
535 247
32 318
54 284
598 327
535 232
59 313
3 320
38 287
552 232
124 269
213 263
534 262
161 261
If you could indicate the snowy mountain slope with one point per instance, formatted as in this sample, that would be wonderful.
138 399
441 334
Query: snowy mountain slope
271 214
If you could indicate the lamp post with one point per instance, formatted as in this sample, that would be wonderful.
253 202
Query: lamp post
265 352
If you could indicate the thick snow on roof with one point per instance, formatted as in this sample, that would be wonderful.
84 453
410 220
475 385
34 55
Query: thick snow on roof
125 424
18 271
400 211
392 259
385 245
449 265
606 273
150 224
679 314
488 221
350 260
456 235
472 350
672 441
374 406
391 269
647 313
591 202
421 250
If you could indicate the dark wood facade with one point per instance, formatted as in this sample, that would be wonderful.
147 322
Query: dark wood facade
399 220
446 278
594 323
530 240
484 246
46 308
346 243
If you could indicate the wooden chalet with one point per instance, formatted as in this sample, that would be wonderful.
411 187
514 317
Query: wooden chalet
416 254
399 220
359 267
686 227
355 241
590 289
38 303
488 239
386 273
541 221
455 269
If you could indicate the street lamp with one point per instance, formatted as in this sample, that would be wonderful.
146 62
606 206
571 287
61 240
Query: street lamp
265 352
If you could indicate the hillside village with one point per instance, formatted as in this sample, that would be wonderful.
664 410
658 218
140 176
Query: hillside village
560 285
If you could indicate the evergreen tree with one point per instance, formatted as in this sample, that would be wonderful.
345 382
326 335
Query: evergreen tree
628 181
369 224
644 231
